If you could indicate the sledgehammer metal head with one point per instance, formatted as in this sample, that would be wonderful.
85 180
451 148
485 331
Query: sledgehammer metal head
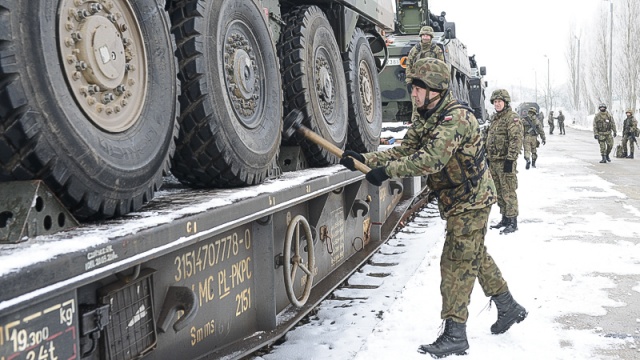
292 122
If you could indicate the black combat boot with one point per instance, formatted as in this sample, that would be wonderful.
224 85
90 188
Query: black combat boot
512 226
452 341
502 223
604 159
528 164
630 156
509 312
608 158
533 163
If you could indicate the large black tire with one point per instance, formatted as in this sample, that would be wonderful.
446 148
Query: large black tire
313 80
102 150
231 121
363 90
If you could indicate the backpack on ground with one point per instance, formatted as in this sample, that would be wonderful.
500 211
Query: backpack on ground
620 151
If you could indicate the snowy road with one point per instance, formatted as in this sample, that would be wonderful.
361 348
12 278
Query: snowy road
574 264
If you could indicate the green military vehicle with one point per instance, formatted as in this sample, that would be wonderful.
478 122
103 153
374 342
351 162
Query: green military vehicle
467 84
524 107
100 99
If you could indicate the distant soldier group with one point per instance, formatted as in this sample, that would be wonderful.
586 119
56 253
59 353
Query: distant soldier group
560 119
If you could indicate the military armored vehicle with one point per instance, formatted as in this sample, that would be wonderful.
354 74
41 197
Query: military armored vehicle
101 98
524 107
467 84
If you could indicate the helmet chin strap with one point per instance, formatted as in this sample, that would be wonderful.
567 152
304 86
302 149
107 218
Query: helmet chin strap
426 113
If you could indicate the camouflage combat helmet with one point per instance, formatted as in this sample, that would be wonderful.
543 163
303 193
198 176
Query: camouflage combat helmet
533 110
629 111
426 30
434 73
500 94
602 106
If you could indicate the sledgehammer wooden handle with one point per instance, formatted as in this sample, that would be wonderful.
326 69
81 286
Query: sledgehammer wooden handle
293 122
311 136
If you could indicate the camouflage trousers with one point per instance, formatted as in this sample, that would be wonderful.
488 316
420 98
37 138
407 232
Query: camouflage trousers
628 139
465 258
561 127
506 186
551 127
606 144
530 147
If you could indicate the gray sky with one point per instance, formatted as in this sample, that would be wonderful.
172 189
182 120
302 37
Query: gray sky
512 37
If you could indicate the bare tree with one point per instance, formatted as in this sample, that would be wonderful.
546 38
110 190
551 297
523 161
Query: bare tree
628 64
597 85
573 63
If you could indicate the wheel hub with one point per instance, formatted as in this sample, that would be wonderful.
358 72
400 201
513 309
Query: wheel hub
366 91
242 75
102 49
324 87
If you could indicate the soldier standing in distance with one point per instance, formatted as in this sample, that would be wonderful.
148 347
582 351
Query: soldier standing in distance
504 142
550 121
603 125
532 128
424 49
629 133
561 123
445 136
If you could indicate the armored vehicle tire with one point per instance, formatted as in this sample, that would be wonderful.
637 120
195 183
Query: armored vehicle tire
231 101
314 81
84 105
363 90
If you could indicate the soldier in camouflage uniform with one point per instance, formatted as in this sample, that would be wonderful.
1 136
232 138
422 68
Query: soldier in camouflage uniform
424 49
603 125
532 129
561 123
629 133
504 143
550 121
446 145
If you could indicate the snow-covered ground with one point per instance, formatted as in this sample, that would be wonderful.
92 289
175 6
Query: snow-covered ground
574 264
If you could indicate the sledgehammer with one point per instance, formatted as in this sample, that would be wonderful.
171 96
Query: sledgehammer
293 123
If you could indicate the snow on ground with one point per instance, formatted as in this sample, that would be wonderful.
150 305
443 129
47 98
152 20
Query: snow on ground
563 265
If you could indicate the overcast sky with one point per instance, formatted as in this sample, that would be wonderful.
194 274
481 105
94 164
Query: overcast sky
511 38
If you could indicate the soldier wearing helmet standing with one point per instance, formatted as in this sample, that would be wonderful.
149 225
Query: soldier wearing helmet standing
504 142
532 129
561 123
424 49
550 121
603 125
629 133
445 143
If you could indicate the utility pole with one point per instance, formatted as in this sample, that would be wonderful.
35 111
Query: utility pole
576 92
611 56
548 103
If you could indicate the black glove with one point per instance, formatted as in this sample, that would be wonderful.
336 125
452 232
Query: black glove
544 142
596 137
508 166
347 159
377 176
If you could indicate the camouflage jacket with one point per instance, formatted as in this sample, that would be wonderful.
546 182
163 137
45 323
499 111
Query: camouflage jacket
560 118
603 124
550 120
421 51
505 137
449 149
630 126
532 127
